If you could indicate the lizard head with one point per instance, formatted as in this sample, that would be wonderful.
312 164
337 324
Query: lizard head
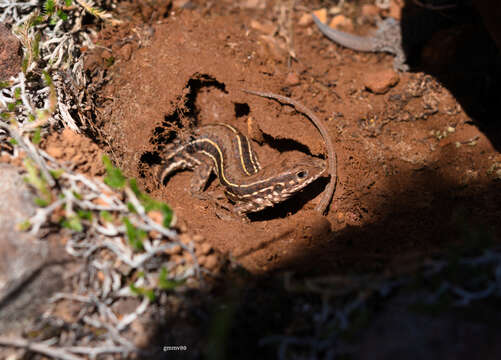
295 177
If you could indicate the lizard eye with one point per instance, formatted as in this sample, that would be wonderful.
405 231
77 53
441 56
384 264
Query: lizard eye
302 174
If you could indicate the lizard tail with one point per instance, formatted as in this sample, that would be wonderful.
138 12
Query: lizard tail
354 42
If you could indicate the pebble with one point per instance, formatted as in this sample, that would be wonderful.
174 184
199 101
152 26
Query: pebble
369 10
211 262
341 22
205 248
321 14
156 216
198 238
126 52
395 10
267 28
381 81
305 20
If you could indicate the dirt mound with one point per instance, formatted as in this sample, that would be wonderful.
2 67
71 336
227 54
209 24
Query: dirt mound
411 166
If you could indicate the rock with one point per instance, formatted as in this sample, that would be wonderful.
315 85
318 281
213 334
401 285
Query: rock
380 82
126 52
305 20
10 53
370 10
26 281
211 262
321 14
341 22
253 4
267 27
395 10
274 47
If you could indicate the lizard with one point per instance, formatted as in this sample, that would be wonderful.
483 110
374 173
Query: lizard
222 149
387 38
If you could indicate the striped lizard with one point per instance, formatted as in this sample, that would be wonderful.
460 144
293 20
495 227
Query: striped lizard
222 149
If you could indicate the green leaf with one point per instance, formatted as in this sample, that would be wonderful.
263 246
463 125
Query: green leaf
24 65
106 216
131 207
11 106
73 223
110 61
37 20
49 6
47 78
149 293
62 15
13 141
151 204
77 195
56 174
114 177
135 188
36 136
23 226
35 49
85 214
134 235
41 202
17 93
4 84
166 284
68 2
36 179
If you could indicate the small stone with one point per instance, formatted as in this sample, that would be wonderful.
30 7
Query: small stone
253 4
10 57
321 14
180 4
305 20
205 248
211 262
198 238
202 259
126 52
340 217
292 79
341 22
185 238
380 82
334 10
274 47
395 10
267 28
156 216
369 10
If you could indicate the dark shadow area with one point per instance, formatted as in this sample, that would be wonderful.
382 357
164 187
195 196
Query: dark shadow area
246 309
285 144
449 40
241 109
